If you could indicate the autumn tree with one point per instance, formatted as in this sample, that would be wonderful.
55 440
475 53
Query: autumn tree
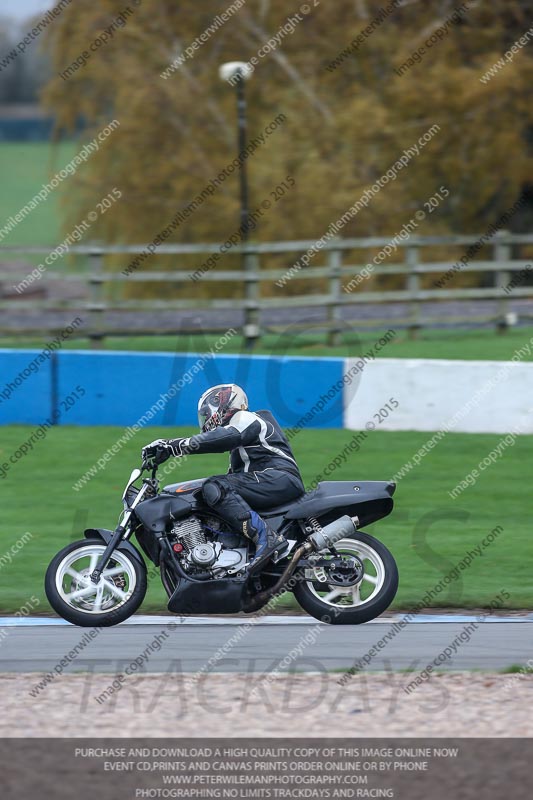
345 125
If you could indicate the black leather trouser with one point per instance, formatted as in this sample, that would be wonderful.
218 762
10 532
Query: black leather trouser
238 496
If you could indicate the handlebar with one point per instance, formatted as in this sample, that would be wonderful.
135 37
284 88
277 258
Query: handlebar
149 465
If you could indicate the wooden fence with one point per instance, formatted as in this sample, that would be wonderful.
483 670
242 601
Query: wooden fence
253 274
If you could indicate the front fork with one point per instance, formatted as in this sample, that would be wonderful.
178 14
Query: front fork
119 535
115 540
122 531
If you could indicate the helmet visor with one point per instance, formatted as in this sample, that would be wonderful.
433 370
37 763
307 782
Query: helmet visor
204 415
213 407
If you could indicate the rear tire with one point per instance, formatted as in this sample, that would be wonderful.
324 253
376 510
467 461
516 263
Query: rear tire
117 601
386 585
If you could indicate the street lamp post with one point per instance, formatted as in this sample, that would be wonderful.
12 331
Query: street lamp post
243 177
236 73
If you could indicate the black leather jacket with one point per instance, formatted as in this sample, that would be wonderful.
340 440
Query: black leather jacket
253 438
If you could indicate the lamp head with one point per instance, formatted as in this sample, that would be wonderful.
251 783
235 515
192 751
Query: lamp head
232 70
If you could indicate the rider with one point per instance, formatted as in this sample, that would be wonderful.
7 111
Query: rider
262 470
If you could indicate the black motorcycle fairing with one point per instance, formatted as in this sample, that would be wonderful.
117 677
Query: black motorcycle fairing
289 528
106 536
184 486
219 596
156 512
369 500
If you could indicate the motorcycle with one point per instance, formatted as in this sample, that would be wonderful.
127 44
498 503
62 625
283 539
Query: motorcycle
338 573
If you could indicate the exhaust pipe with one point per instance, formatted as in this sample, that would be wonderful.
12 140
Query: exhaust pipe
320 540
326 537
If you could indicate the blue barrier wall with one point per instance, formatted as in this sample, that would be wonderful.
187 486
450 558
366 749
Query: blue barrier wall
28 399
118 388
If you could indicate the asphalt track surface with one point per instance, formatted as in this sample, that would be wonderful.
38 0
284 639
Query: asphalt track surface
39 645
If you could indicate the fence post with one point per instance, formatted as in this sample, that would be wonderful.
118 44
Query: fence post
502 252
413 287
334 309
96 298
251 330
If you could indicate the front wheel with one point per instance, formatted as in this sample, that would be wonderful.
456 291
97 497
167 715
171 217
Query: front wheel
360 602
71 593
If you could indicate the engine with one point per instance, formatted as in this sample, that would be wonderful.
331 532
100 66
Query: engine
206 547
189 532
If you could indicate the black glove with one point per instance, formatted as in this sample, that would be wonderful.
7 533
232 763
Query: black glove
157 451
176 446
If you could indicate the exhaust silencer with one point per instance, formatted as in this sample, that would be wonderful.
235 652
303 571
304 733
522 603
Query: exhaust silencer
326 538
319 540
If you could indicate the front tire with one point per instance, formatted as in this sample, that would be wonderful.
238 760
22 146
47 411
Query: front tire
74 597
356 604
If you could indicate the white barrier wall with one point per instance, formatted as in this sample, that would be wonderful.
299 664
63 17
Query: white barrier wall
434 394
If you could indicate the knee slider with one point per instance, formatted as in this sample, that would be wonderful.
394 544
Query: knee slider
212 492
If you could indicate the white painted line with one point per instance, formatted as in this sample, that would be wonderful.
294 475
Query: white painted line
144 619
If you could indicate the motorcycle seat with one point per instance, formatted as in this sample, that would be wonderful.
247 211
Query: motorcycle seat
331 495
277 511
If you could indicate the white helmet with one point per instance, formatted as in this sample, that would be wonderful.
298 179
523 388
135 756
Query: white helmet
218 404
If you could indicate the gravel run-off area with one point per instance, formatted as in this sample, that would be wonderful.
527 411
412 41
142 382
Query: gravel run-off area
449 704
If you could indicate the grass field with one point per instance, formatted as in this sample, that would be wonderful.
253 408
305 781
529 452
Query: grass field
480 344
25 167
428 532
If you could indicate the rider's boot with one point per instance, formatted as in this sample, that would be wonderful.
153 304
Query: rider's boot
268 543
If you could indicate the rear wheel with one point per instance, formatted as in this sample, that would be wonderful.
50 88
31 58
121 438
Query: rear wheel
71 593
360 602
